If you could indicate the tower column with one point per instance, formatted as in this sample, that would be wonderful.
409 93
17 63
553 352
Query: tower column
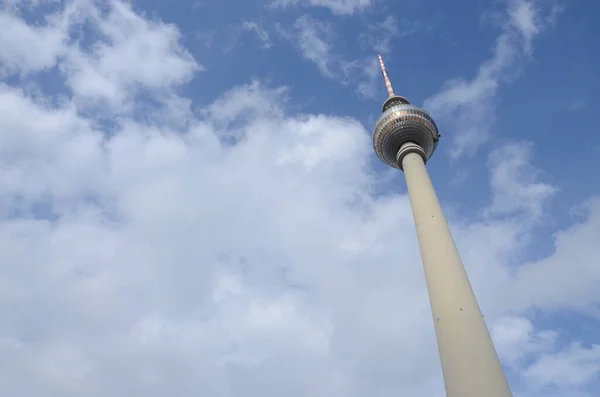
470 364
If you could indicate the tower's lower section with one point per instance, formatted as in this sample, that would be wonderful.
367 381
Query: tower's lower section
470 364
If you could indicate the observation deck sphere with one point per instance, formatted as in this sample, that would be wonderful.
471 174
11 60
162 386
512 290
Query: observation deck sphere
400 123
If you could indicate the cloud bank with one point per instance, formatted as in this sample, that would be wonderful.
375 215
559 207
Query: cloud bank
237 249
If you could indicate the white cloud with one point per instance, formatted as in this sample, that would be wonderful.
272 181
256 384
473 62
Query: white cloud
129 54
146 287
261 33
546 369
36 143
517 340
246 102
573 367
367 73
379 36
133 54
313 38
29 48
316 40
514 182
525 19
340 7
164 258
227 38
468 105
568 278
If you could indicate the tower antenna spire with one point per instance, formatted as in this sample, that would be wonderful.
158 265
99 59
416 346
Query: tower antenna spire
386 78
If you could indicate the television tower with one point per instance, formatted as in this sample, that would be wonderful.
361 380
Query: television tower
405 137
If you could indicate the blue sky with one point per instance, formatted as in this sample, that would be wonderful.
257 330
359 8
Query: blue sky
190 204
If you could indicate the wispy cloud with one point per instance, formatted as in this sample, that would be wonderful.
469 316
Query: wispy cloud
260 31
377 38
515 183
544 363
314 40
340 7
380 36
518 341
366 73
568 369
468 105
229 37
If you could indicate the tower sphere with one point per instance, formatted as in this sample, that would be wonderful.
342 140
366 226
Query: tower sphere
402 123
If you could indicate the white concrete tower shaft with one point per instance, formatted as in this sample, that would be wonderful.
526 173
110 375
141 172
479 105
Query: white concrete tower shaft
470 365
405 137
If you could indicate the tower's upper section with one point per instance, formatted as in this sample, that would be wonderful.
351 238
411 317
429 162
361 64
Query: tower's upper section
400 123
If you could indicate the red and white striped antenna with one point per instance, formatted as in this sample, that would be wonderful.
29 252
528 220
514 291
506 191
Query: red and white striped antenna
386 78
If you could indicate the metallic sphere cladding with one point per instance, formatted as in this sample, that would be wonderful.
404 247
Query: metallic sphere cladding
400 123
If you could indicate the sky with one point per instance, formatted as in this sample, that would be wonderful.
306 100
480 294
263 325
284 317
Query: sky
190 204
